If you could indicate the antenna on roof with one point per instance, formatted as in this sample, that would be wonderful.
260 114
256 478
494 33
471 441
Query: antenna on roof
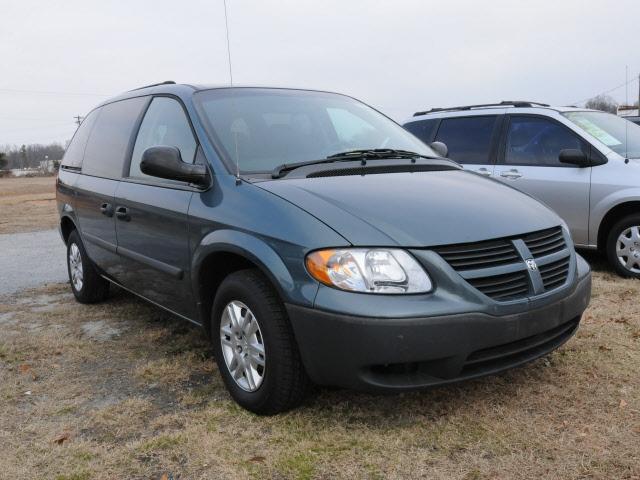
626 125
235 136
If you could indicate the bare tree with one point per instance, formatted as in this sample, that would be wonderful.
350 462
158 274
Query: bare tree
30 156
3 160
602 102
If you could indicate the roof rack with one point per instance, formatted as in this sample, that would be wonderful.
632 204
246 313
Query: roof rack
504 103
167 82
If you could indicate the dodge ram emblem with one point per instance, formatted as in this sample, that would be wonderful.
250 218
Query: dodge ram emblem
531 264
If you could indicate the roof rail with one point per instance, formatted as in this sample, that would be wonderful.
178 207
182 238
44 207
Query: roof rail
504 103
167 82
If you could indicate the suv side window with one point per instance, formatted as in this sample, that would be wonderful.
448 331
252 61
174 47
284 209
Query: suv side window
537 141
75 151
469 139
423 129
165 123
108 143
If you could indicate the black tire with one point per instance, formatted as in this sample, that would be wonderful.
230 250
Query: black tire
612 239
284 381
94 288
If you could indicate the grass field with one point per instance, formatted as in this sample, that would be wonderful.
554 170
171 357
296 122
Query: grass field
27 204
121 390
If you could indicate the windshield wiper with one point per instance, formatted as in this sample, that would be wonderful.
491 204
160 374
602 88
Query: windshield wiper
348 156
378 153
287 167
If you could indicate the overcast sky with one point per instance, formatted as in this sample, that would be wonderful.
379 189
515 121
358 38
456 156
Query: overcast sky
60 59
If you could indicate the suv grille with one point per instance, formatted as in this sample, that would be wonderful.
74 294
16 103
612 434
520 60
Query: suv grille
515 267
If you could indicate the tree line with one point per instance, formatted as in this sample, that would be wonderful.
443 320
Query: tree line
29 156
604 103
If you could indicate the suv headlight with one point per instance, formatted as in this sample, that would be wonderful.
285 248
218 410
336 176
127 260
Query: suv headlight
369 270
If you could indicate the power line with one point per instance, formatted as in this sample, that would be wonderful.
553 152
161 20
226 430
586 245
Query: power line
607 91
56 126
28 119
46 92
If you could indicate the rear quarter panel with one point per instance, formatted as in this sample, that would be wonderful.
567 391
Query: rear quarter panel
65 195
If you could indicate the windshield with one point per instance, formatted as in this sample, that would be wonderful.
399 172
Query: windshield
263 128
620 135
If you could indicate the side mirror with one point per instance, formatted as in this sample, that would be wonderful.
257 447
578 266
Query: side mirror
573 156
440 148
166 162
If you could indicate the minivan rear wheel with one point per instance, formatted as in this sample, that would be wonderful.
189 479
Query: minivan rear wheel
87 285
623 246
254 346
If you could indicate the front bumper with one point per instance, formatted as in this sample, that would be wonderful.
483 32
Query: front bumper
370 353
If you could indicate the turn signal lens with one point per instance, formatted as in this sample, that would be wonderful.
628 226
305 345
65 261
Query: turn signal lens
369 270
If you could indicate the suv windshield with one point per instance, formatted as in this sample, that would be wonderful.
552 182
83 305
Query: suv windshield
263 128
620 135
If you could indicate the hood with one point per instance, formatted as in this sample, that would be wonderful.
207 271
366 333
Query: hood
416 209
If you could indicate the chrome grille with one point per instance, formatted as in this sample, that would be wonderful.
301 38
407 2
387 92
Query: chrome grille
545 242
515 267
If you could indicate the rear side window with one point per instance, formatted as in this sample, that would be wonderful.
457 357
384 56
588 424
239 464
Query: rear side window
538 141
75 151
108 143
468 138
165 123
423 129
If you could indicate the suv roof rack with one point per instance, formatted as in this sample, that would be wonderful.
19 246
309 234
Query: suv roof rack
167 82
504 103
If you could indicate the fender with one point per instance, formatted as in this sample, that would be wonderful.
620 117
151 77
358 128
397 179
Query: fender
260 253
605 205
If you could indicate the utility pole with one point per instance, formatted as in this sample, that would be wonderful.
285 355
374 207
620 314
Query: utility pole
639 94
78 119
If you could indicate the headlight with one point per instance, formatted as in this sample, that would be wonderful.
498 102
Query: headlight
378 270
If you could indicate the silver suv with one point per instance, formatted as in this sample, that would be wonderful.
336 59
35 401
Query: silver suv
584 164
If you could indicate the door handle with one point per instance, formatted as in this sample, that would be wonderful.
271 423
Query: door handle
122 213
106 209
512 174
484 172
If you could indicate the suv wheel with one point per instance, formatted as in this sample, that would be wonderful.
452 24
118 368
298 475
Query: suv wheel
254 346
623 246
86 284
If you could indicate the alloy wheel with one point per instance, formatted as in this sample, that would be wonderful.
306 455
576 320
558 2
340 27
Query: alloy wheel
75 267
242 346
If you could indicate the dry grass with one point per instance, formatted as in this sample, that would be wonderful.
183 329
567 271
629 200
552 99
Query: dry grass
138 396
27 204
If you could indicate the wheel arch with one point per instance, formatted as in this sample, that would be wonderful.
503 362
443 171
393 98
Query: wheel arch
612 216
226 251
67 225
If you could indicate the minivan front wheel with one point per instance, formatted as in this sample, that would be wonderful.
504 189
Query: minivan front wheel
623 246
254 346
87 285
242 346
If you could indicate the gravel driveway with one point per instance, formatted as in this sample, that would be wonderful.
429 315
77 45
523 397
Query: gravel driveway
31 259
